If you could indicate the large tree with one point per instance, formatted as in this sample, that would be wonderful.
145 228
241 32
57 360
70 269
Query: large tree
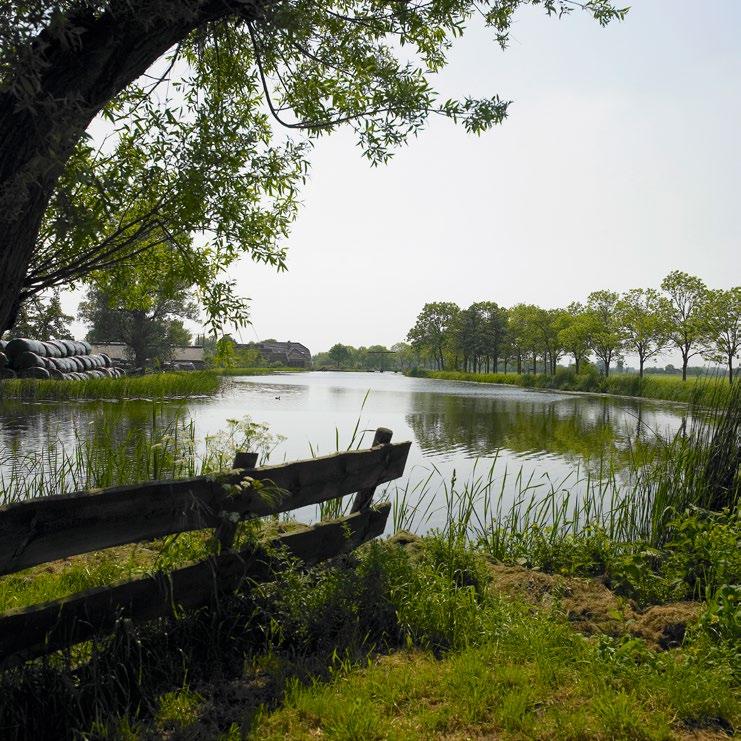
142 306
574 333
606 335
644 317
313 65
687 297
432 333
723 326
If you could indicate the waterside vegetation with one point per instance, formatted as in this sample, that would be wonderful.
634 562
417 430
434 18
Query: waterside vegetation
702 391
151 386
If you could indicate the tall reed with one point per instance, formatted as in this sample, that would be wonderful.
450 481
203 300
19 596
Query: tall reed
111 453
154 386
698 467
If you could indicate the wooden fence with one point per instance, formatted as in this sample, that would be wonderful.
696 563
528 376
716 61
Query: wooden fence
51 528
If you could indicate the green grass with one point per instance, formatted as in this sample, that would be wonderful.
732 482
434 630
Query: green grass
703 391
391 643
153 386
538 679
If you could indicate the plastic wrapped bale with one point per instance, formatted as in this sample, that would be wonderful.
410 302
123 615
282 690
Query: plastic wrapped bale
52 351
7 373
4 362
27 360
81 348
55 374
61 347
70 348
19 345
88 347
106 360
35 372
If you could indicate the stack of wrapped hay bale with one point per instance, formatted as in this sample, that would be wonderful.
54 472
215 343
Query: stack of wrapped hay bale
66 360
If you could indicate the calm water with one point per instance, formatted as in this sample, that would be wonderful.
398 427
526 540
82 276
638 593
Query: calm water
550 436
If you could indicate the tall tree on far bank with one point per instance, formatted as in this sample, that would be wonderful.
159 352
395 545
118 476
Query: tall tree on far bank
644 317
339 354
687 296
606 337
432 332
723 326
150 334
312 66
574 333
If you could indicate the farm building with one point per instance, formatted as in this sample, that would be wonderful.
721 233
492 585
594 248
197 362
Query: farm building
292 354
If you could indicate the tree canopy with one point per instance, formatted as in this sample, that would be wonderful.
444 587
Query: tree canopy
684 314
188 90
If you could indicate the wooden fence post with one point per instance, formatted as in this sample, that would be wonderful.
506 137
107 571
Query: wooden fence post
227 528
364 497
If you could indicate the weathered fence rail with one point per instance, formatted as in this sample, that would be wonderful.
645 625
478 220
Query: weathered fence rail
43 530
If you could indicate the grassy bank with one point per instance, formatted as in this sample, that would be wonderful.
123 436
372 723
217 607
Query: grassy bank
556 618
407 639
153 386
703 391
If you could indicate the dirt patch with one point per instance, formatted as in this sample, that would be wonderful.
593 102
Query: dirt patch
593 608
665 625
588 604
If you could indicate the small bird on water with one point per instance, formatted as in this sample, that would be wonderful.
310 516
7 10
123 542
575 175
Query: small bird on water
278 398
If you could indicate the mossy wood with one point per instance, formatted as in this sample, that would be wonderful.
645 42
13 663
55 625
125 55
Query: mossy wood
34 631
51 528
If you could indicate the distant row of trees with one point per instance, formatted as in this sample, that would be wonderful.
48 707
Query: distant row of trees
375 357
683 315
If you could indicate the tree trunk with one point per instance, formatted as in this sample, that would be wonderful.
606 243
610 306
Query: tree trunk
730 368
685 362
78 80
576 363
640 366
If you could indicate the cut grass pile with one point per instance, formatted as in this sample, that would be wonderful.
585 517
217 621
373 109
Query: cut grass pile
700 391
154 386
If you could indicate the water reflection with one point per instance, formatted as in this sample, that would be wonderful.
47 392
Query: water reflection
578 429
451 424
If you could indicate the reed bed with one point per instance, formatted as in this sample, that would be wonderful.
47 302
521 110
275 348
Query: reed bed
113 453
697 468
702 391
154 386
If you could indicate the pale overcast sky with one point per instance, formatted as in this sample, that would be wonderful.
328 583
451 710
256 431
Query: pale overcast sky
620 161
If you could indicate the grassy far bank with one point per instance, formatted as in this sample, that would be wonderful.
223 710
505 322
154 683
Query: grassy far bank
153 386
704 391
176 384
